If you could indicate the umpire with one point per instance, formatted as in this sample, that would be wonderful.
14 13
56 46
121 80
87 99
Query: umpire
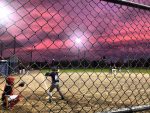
55 82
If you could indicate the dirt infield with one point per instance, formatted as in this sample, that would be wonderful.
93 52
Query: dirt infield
84 92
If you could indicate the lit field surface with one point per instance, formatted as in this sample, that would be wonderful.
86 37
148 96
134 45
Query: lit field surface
84 91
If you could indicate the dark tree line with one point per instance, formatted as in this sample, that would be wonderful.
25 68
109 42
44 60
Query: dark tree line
83 63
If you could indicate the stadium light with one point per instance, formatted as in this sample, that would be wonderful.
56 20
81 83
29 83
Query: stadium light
4 13
78 41
78 44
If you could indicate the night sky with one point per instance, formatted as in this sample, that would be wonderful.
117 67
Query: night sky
49 29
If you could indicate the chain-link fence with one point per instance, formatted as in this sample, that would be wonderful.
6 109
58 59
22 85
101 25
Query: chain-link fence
74 56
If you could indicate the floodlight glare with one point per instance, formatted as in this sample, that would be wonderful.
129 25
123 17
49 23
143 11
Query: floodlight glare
78 40
4 13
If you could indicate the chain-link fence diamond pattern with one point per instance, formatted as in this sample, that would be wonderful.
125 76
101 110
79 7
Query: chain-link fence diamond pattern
74 56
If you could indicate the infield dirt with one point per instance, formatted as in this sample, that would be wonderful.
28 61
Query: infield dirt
84 92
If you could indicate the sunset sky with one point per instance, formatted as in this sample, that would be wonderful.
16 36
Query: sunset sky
73 29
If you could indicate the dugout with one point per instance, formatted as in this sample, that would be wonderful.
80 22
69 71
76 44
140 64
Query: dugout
9 66
13 65
4 67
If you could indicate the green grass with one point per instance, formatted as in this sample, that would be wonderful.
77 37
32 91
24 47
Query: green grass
138 70
80 70
85 70
132 70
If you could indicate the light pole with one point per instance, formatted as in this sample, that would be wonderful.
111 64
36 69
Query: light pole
85 60
5 11
32 54
78 43
78 53
14 46
1 50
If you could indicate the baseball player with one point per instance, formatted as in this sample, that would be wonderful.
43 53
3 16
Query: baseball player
55 82
8 98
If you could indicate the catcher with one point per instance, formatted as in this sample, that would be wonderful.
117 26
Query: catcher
55 83
8 98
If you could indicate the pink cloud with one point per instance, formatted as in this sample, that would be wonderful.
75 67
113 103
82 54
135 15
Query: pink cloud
53 25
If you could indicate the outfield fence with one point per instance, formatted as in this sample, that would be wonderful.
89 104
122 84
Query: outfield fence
98 48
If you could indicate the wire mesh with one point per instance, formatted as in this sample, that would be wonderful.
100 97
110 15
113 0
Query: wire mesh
74 56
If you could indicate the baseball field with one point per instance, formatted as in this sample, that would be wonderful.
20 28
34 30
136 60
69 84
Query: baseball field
84 91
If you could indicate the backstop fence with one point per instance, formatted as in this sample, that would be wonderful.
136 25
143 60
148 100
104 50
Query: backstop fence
75 56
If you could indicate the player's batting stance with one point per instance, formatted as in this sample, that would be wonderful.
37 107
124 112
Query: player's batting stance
55 83
8 98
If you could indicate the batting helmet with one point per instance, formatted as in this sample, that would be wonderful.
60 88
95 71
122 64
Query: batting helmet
55 69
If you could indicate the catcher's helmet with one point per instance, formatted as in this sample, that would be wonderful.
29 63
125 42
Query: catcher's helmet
10 80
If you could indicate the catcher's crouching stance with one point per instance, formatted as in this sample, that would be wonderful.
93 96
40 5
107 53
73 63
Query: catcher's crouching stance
8 98
55 83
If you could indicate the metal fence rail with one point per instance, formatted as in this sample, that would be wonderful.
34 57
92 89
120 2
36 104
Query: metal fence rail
129 4
74 56
131 109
